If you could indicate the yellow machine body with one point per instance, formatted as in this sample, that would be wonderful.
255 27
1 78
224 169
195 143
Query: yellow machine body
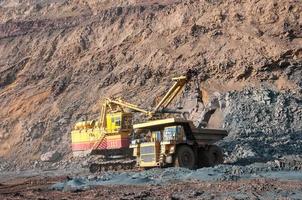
87 133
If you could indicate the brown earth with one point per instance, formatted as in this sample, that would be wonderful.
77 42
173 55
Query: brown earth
37 188
57 58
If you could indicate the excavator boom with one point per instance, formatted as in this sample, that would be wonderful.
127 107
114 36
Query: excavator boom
171 94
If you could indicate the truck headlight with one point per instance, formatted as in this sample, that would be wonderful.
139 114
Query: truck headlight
172 149
169 159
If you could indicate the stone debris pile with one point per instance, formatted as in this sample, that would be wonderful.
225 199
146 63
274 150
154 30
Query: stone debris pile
263 125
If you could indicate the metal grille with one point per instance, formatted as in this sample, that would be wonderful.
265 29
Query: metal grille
147 150
103 144
148 158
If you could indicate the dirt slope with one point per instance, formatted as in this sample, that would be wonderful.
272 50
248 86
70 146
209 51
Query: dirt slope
57 58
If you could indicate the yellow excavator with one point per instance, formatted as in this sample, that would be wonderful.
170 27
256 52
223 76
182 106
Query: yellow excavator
151 146
112 131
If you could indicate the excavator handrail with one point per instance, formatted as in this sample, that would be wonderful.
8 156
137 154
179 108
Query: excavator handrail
131 106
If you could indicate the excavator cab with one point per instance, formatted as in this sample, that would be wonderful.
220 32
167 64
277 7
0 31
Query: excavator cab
119 121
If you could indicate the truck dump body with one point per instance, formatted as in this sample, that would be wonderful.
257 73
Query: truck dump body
207 135
200 135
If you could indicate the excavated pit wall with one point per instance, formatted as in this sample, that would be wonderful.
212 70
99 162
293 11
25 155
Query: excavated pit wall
57 60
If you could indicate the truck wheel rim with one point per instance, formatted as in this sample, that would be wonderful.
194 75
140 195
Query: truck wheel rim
186 159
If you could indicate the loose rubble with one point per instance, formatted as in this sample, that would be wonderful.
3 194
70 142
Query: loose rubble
270 170
263 125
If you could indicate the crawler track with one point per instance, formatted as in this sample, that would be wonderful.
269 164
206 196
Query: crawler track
115 165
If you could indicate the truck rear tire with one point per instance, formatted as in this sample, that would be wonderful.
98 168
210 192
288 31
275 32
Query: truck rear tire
210 157
216 155
185 157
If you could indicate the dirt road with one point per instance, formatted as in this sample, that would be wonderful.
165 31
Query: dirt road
220 182
39 188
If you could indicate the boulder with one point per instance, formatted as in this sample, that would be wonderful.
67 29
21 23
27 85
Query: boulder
51 156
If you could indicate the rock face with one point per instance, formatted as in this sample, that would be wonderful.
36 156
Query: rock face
58 58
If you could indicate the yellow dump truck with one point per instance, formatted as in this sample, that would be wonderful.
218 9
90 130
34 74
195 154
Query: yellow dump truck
176 142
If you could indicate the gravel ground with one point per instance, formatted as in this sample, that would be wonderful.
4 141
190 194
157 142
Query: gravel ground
179 184
158 176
